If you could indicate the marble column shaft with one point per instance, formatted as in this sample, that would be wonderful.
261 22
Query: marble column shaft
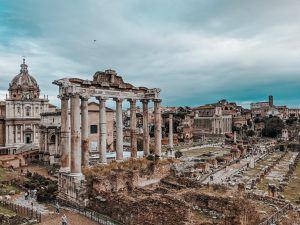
146 137
65 135
119 126
102 143
157 127
46 141
133 132
171 144
84 132
75 136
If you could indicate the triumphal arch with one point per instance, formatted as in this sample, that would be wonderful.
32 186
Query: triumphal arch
74 144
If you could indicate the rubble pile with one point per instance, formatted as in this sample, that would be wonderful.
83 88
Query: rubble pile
172 202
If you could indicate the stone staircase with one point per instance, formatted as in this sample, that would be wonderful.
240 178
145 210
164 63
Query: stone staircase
27 147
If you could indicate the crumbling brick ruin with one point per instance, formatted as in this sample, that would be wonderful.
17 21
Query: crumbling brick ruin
143 192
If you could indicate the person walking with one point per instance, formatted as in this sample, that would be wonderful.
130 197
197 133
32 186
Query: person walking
64 220
57 207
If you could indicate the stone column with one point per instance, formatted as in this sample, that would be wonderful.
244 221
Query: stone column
7 134
84 132
46 141
33 133
102 143
119 126
75 136
171 144
15 133
56 143
65 135
234 137
11 135
22 135
146 138
133 132
157 127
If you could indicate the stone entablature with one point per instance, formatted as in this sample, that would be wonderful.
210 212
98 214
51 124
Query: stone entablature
105 86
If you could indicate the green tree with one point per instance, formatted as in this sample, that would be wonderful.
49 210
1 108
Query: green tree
273 127
250 133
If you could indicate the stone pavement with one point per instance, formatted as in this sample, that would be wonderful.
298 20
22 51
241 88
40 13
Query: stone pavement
27 203
220 176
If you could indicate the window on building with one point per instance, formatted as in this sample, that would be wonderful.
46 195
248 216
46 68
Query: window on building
19 110
94 129
28 111
52 139
36 109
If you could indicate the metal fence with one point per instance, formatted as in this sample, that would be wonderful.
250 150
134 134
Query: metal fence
95 216
276 216
23 211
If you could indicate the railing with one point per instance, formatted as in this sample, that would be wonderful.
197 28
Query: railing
22 211
276 216
95 216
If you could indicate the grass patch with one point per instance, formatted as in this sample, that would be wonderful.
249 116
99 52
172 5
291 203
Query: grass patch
6 189
7 174
292 190
6 212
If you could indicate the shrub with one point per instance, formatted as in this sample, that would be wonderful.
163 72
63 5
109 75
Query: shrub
178 154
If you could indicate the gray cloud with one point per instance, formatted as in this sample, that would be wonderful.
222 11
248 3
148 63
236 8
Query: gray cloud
196 51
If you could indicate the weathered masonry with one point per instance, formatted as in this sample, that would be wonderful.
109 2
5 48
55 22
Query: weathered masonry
74 144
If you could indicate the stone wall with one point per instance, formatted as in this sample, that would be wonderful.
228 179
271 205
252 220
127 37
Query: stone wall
121 180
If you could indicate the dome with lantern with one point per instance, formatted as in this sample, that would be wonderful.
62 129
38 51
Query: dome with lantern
24 86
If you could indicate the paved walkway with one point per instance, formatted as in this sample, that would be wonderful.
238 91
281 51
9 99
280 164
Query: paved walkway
41 208
220 176
72 217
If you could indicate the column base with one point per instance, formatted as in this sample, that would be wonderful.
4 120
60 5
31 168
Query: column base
76 175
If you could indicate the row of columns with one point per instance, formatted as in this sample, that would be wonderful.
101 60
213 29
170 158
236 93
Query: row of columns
80 151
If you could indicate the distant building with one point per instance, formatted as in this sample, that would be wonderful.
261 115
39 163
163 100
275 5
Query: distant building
267 109
209 119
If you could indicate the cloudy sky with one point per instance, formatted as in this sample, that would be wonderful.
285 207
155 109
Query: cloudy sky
196 51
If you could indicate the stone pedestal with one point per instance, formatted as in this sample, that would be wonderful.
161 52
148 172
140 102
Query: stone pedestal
72 188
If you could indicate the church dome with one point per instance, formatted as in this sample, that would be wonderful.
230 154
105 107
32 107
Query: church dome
24 86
